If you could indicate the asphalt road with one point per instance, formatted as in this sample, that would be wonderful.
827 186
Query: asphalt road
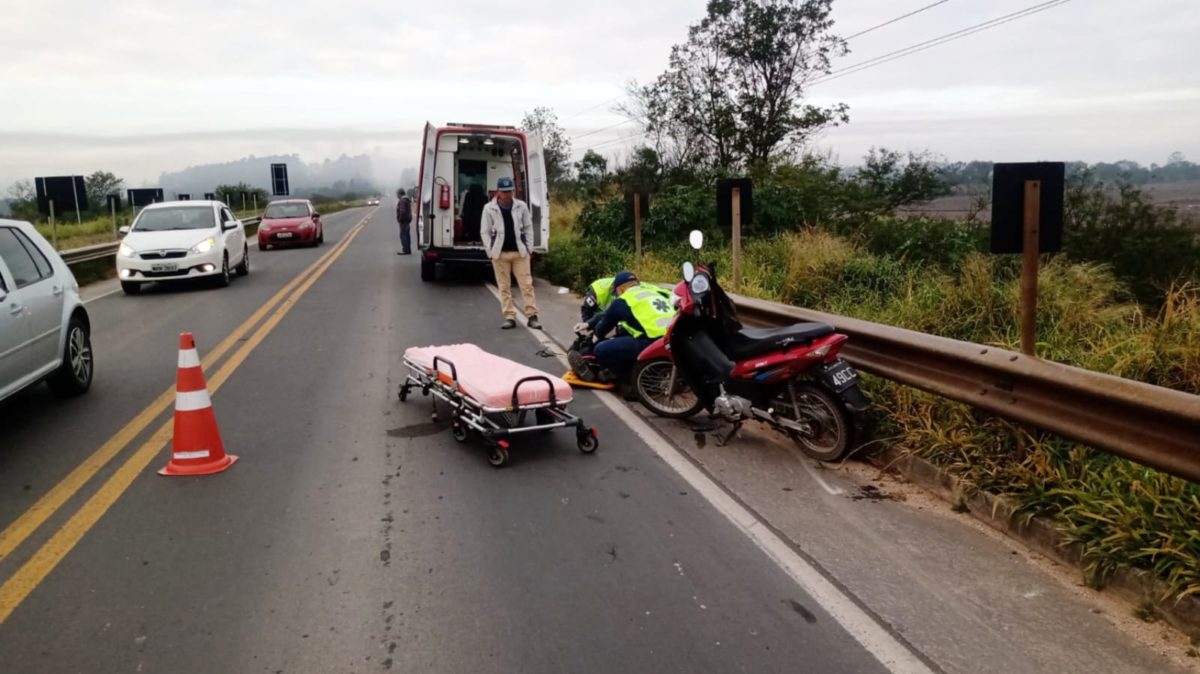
354 535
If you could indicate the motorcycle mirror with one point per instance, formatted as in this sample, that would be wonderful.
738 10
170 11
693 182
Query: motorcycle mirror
689 272
696 239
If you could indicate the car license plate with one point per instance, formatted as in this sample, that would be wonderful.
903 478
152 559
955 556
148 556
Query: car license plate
840 375
164 266
283 235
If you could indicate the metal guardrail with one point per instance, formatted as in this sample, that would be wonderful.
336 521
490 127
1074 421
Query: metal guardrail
100 251
1150 425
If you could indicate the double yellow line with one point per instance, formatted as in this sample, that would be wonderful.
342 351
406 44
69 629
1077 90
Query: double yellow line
23 582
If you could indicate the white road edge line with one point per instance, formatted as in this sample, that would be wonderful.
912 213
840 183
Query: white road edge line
887 649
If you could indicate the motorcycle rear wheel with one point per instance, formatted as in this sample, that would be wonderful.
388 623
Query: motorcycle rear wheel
651 380
832 429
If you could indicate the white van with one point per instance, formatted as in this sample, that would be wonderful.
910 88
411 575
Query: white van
460 164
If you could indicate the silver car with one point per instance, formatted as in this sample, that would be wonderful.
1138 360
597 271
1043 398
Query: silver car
45 333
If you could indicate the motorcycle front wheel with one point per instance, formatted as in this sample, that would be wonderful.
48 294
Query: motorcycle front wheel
831 430
660 388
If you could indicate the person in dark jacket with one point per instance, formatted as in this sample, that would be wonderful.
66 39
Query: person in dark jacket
404 216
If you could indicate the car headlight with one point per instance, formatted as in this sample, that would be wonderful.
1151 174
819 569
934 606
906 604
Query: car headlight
700 284
204 246
307 224
125 250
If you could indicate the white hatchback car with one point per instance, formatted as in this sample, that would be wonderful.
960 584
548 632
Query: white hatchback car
45 333
178 240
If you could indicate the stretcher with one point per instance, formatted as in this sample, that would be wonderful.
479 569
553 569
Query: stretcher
492 396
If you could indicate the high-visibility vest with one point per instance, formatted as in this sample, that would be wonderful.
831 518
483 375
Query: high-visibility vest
651 309
603 291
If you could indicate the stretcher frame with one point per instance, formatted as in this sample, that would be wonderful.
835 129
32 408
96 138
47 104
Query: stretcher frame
468 414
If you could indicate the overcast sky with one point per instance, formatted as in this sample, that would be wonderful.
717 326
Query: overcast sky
143 86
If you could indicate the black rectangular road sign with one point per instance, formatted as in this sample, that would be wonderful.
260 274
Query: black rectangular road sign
210 196
1008 205
725 200
112 202
144 196
279 180
67 192
643 205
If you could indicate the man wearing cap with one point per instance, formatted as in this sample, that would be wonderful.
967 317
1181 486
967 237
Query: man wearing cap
642 313
507 232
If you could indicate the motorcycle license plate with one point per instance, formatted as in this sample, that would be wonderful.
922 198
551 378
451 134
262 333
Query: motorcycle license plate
164 266
840 375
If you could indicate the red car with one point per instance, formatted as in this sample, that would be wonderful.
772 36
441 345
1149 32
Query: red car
290 222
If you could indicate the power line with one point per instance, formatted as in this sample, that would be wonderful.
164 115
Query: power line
584 112
940 40
891 21
607 128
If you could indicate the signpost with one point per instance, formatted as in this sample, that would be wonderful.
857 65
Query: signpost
1027 218
637 206
735 204
114 205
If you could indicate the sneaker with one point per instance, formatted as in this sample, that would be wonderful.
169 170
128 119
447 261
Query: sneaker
579 365
534 323
508 324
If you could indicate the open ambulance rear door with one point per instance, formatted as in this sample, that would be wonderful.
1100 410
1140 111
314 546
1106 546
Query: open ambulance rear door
539 192
425 188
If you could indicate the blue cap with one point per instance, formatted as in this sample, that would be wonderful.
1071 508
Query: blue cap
505 184
622 278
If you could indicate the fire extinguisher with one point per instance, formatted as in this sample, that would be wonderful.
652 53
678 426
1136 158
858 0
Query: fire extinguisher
444 196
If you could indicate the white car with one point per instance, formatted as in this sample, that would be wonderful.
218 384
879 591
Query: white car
45 333
178 240
373 201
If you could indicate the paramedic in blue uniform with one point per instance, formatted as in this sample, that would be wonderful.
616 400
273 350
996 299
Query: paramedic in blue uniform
643 315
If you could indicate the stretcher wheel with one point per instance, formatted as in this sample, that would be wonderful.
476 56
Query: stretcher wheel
459 431
587 441
497 455
403 393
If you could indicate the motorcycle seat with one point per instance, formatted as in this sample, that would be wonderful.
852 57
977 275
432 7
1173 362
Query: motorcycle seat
751 342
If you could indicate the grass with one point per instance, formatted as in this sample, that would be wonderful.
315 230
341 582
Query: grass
1124 515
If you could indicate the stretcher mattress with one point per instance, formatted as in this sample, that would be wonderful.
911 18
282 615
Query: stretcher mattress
488 378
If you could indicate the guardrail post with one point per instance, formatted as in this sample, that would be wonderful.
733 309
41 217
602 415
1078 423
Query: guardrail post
736 198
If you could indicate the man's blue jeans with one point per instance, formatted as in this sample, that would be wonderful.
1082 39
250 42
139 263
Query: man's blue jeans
619 354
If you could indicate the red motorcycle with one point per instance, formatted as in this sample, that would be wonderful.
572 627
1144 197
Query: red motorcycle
791 378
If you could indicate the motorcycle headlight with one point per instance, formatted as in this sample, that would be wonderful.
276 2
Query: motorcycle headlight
204 246
700 284
126 251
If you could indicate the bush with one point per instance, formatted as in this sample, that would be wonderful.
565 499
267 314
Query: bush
1149 247
923 240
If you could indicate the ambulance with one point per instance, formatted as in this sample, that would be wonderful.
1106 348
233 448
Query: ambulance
460 164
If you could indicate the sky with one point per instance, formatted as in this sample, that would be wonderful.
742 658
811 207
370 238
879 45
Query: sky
139 87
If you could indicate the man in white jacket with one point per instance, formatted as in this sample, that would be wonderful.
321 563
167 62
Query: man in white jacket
507 233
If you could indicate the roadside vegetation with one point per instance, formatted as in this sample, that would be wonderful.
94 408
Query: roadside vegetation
1122 298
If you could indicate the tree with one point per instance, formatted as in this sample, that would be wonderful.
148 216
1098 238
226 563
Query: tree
24 200
555 145
592 171
99 185
644 171
735 88
888 179
232 195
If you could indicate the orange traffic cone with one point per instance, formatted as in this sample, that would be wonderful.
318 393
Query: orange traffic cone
196 448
